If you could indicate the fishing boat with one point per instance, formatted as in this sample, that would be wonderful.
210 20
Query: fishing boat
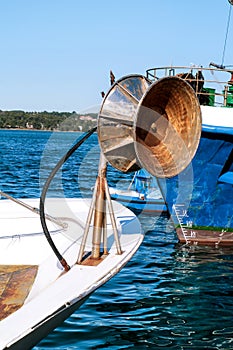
199 195
200 199
142 195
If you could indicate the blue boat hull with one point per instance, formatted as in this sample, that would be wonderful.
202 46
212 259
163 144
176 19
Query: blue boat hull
200 199
138 205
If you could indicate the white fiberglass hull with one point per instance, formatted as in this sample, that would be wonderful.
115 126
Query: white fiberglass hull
54 294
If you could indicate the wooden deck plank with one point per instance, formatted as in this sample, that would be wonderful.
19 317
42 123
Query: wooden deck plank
15 284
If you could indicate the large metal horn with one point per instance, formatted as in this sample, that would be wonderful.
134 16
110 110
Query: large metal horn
156 126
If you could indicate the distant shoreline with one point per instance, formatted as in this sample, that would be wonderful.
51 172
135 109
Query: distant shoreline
45 121
25 129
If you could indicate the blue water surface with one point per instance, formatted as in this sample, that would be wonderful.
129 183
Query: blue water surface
169 296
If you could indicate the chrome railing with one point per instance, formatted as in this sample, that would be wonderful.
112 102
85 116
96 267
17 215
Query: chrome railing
213 86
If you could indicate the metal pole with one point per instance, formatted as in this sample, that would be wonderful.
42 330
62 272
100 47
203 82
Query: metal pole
113 220
87 227
56 221
105 240
99 213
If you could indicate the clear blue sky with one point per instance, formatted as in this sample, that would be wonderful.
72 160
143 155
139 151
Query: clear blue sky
56 54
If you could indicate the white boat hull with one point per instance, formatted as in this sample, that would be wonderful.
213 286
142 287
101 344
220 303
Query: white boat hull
56 294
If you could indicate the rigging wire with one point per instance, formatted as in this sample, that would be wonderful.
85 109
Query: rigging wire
228 24
45 189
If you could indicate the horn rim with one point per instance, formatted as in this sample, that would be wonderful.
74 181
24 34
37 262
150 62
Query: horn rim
196 110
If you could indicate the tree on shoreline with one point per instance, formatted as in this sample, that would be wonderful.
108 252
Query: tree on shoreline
64 121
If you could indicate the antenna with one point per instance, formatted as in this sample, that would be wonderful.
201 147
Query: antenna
228 24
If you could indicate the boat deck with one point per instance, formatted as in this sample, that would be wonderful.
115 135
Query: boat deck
15 284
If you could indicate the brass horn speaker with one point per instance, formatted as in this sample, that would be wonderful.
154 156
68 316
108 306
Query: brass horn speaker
155 126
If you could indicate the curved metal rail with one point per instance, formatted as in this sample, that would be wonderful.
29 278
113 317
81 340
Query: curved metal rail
213 85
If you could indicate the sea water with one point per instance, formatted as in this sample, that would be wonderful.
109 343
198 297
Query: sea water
169 296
